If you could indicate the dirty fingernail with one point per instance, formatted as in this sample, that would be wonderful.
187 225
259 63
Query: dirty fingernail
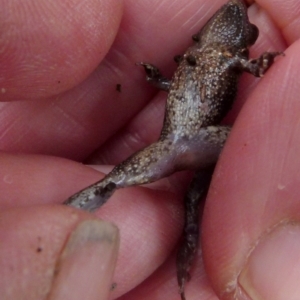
273 268
87 262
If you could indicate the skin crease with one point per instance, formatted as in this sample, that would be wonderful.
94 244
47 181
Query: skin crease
74 120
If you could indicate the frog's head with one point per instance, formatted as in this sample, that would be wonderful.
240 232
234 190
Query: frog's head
229 26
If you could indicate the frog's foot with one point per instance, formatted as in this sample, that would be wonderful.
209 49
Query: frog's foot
189 245
93 196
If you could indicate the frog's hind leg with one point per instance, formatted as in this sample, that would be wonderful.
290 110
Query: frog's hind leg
189 245
160 159
148 165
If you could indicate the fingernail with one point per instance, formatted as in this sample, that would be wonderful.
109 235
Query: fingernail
273 268
87 262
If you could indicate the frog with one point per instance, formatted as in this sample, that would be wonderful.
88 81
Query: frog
200 94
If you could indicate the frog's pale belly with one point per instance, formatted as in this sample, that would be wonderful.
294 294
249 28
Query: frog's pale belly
200 94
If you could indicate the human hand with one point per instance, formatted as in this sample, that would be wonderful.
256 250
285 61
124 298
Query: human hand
250 226
72 120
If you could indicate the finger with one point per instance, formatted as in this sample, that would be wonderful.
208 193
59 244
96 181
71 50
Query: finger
150 226
253 210
149 220
32 179
55 253
162 284
285 14
43 43
88 115
139 133
70 282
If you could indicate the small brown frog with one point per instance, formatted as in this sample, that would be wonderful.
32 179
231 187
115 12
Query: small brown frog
200 94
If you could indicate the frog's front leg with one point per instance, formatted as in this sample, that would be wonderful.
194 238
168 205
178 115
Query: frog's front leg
155 77
257 66
168 155
189 245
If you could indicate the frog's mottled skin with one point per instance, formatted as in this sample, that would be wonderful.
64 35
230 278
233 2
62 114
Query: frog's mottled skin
201 92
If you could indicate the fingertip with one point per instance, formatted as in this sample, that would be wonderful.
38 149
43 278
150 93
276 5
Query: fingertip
44 42
272 269
32 240
87 262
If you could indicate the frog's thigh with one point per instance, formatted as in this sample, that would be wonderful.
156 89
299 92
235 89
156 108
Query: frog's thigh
170 155
203 149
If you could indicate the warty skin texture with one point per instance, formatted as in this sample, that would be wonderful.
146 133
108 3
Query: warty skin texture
200 94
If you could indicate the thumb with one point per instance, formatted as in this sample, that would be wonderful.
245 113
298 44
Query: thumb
251 232
53 252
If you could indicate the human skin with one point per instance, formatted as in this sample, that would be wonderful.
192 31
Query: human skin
70 110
